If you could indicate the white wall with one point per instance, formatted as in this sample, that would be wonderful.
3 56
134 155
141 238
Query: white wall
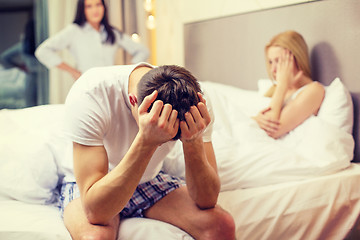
171 15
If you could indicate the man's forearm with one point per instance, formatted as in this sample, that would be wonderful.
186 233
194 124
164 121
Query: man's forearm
108 196
201 177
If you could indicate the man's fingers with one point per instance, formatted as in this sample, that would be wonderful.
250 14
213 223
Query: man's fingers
173 117
166 112
165 115
184 127
177 123
156 110
204 112
148 100
202 99
190 121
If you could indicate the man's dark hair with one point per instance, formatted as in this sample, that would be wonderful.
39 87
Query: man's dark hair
175 85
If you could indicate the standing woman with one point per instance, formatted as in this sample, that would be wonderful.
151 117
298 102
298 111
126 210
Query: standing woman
91 39
295 96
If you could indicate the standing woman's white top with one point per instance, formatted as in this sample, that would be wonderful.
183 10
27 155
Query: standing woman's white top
89 47
91 40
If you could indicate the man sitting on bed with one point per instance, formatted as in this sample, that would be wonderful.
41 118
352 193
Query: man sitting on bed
123 120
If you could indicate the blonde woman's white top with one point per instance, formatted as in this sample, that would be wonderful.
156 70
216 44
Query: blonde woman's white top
89 47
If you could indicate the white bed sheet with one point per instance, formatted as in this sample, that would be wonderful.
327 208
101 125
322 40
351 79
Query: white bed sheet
320 208
19 220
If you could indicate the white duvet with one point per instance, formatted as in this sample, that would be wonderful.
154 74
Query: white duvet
247 157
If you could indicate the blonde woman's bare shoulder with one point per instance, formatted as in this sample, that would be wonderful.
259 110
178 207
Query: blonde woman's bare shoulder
316 86
311 91
316 90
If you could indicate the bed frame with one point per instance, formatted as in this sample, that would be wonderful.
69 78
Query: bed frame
230 50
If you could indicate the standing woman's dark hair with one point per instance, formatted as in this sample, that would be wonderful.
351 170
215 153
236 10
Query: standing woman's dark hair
80 19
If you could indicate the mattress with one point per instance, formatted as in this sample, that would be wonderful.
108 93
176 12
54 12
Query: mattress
19 220
320 208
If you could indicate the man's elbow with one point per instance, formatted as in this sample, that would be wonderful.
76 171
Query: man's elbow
208 201
206 204
96 218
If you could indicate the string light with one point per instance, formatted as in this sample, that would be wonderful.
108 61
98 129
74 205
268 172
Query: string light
150 23
135 37
148 6
149 9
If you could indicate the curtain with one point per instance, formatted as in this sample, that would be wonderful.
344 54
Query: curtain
61 13
41 33
115 15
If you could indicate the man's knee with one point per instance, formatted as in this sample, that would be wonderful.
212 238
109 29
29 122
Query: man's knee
220 225
80 228
98 235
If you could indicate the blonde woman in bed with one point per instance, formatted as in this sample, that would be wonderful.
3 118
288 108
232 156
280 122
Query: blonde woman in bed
294 95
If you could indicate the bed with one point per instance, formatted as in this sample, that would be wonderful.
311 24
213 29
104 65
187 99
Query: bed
312 196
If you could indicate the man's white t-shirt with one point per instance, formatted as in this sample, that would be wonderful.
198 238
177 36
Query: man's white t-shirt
98 114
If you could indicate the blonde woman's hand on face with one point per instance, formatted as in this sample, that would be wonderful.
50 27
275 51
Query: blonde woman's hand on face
265 122
160 124
287 71
196 121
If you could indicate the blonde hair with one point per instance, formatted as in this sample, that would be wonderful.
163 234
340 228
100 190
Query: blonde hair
296 44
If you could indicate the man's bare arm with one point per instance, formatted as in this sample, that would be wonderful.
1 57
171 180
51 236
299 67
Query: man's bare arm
200 164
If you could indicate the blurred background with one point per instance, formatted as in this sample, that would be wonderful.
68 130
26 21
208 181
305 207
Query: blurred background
158 24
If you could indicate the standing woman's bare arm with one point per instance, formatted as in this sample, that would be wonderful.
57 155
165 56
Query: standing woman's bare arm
72 71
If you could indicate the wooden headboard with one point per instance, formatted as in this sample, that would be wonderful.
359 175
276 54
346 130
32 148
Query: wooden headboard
230 50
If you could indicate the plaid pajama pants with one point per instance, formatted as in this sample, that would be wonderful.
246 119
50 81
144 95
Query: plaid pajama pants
144 197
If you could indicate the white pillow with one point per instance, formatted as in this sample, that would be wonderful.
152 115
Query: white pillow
264 85
337 106
28 171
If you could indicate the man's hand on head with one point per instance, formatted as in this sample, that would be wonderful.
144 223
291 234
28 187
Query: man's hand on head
160 124
196 121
